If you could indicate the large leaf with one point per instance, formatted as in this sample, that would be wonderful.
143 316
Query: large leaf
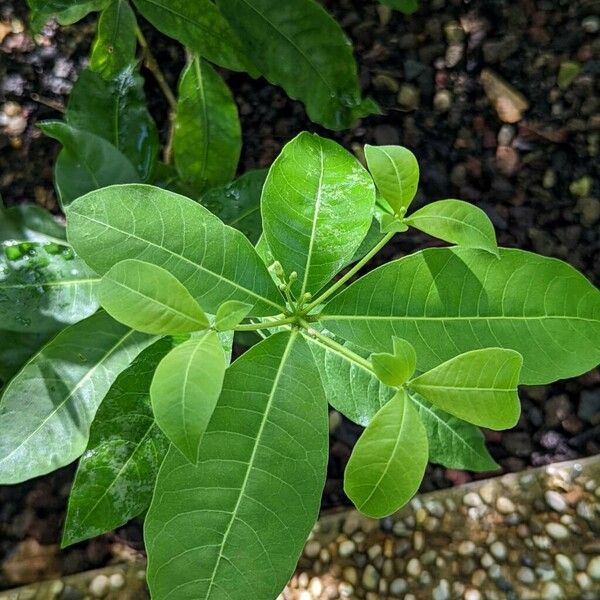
208 137
317 206
148 298
453 443
47 409
43 287
264 453
446 301
456 222
115 110
28 222
116 474
115 43
298 46
388 462
66 12
185 390
238 203
87 162
200 26
215 262
16 348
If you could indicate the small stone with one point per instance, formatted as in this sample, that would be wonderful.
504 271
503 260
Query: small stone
398 587
335 420
312 549
351 524
409 96
370 578
552 591
585 511
504 505
414 568
472 499
466 548
549 180
345 589
555 501
508 102
441 591
557 531
487 560
346 548
400 529
454 32
589 209
593 569
498 550
472 595
591 24
117 581
506 135
488 492
526 575
564 566
350 575
385 82
507 161
583 581
581 187
442 101
418 541
99 586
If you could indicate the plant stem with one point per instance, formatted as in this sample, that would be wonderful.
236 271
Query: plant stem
357 267
265 324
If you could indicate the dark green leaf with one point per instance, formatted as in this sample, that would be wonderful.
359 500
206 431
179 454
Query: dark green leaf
408 7
66 12
31 223
16 348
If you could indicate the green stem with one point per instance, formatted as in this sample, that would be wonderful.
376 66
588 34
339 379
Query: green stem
265 324
357 267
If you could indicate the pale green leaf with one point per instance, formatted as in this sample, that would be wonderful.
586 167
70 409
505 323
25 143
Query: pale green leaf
388 461
447 301
317 206
31 223
395 368
264 452
148 298
230 314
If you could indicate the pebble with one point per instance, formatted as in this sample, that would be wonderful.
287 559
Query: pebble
398 587
583 581
585 511
466 548
505 505
472 595
370 578
555 501
351 575
414 568
557 531
564 566
506 135
498 550
312 549
552 591
345 589
99 586
487 561
593 569
346 548
591 24
409 96
442 101
441 591
472 499
526 575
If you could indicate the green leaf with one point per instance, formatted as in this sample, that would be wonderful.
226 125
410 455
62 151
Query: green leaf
148 298
446 301
185 390
456 222
453 443
208 137
238 203
43 287
396 173
297 45
47 409
16 348
479 387
395 369
116 474
317 206
66 12
87 162
115 110
231 314
408 7
201 27
115 44
28 222
265 451
216 263
388 462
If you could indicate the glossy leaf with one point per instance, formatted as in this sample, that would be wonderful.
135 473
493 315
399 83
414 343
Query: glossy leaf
87 162
47 409
116 473
16 348
43 287
479 387
208 138
396 173
148 298
388 461
447 301
265 451
66 12
395 368
317 206
297 45
408 7
200 26
115 44
185 390
456 222
453 443
115 110
231 314
31 223
216 263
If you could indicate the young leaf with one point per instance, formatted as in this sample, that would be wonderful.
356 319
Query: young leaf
115 110
201 27
43 287
31 223
317 206
116 474
216 263
388 462
148 298
297 45
396 173
456 222
446 301
479 387
66 12
395 369
453 443
230 314
115 43
185 390
208 138
47 409
265 450
87 162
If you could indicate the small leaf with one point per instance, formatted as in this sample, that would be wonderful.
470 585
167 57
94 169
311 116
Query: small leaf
185 390
208 139
396 173
392 224
456 222
66 12
31 223
230 314
395 369
408 7
148 298
388 462
479 387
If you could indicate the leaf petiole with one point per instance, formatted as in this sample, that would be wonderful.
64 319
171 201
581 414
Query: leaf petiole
266 324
